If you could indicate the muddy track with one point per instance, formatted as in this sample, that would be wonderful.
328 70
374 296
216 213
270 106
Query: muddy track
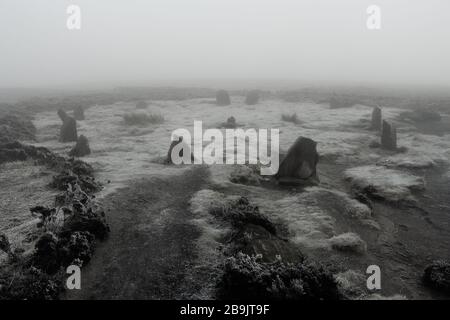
151 251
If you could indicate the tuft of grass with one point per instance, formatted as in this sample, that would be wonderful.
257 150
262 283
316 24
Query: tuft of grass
140 119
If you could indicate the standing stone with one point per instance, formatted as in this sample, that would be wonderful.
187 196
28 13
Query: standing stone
78 113
376 119
299 165
223 98
81 149
388 136
252 97
231 123
183 147
68 130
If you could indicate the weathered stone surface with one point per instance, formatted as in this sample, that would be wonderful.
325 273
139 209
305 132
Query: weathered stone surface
68 131
376 119
388 136
184 146
299 165
223 98
81 149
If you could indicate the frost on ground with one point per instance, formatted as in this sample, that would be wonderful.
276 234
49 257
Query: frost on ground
392 185
348 242
23 185
423 151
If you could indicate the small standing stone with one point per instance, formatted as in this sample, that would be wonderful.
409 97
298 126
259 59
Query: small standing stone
388 136
68 130
376 119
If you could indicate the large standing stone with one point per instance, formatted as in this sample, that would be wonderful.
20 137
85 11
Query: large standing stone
78 113
376 119
252 97
183 146
81 149
388 136
223 98
299 165
68 130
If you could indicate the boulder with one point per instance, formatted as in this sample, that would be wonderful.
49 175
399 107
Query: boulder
376 119
78 113
231 123
81 149
223 98
299 165
184 147
68 131
252 97
388 136
437 276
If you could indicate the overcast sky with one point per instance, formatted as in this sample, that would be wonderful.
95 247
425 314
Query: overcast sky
148 42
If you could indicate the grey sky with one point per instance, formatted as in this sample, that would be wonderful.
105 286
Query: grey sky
179 41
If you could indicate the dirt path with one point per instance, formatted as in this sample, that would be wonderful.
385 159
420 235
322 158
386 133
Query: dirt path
151 251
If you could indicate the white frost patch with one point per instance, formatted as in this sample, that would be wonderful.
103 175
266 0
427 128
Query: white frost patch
387 183
348 242
350 207
208 244
423 151
307 223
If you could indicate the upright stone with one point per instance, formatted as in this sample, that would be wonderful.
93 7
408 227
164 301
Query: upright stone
376 119
388 136
81 149
68 131
299 165
223 98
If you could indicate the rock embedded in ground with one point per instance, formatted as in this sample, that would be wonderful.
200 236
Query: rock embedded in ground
252 97
81 148
68 131
180 146
231 123
299 164
222 98
388 136
437 276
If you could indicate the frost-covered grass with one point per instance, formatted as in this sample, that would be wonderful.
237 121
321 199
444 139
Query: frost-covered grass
389 184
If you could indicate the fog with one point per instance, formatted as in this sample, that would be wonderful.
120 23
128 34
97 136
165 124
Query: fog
204 42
